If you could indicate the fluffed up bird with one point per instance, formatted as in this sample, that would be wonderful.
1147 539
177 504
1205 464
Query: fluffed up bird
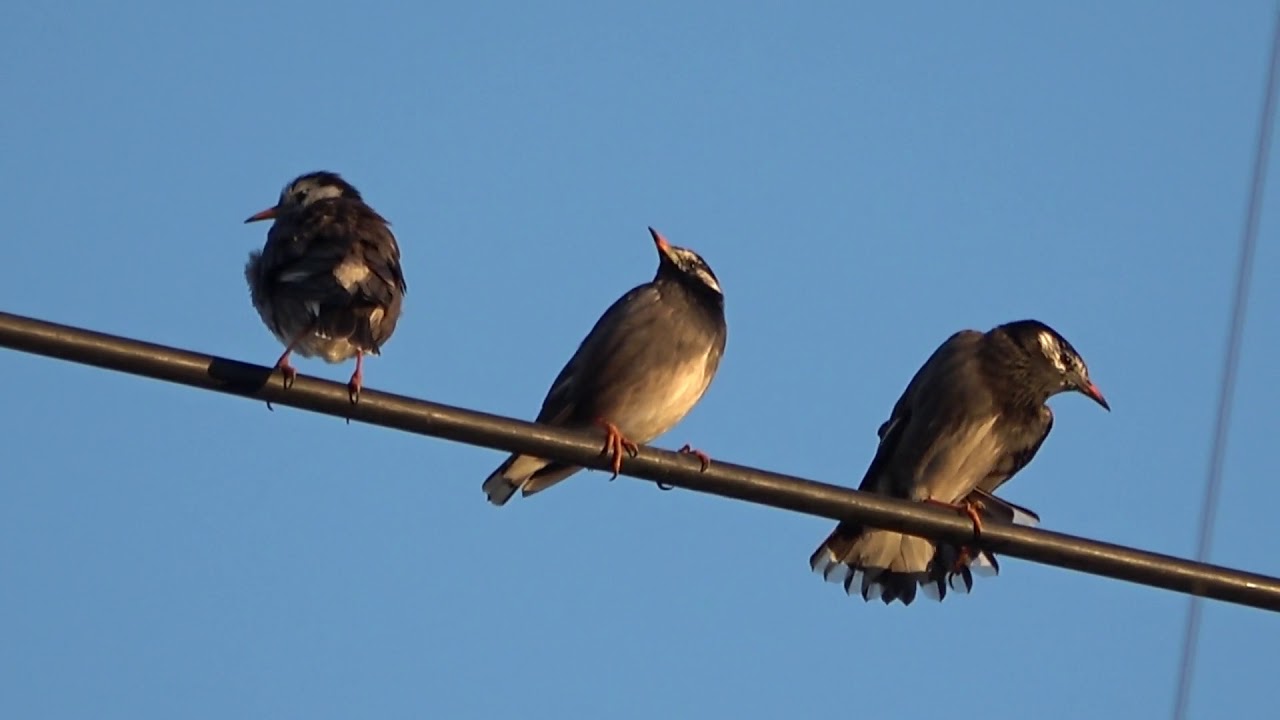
646 363
970 419
328 282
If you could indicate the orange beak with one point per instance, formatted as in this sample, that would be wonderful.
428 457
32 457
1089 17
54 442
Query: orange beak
264 215
1092 392
661 242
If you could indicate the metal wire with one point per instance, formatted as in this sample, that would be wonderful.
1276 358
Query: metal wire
1230 369
722 478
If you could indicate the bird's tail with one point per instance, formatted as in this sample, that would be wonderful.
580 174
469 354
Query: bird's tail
892 565
950 565
881 563
526 473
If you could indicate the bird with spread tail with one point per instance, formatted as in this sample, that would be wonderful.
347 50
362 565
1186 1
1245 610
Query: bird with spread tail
969 420
328 282
646 363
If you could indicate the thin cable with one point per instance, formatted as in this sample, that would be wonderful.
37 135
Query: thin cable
1230 369
578 448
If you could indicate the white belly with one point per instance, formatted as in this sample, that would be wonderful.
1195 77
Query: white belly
654 410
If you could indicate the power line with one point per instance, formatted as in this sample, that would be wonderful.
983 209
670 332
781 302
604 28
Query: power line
722 478
1230 369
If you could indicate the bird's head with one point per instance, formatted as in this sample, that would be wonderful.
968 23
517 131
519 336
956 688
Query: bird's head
684 265
304 191
1053 360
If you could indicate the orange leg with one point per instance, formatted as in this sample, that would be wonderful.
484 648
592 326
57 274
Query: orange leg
290 374
282 363
616 444
966 507
357 379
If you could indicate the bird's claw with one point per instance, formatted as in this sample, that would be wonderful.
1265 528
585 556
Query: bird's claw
965 553
287 373
968 508
357 380
971 508
703 458
615 444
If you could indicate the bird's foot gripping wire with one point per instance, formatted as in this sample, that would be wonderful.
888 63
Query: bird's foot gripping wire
286 370
703 458
968 508
357 381
282 364
615 444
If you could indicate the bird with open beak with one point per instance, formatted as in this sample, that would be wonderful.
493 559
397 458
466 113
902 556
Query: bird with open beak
328 282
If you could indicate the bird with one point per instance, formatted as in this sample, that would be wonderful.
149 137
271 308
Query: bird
645 364
328 281
970 418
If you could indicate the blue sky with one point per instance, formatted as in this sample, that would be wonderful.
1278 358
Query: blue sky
863 181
